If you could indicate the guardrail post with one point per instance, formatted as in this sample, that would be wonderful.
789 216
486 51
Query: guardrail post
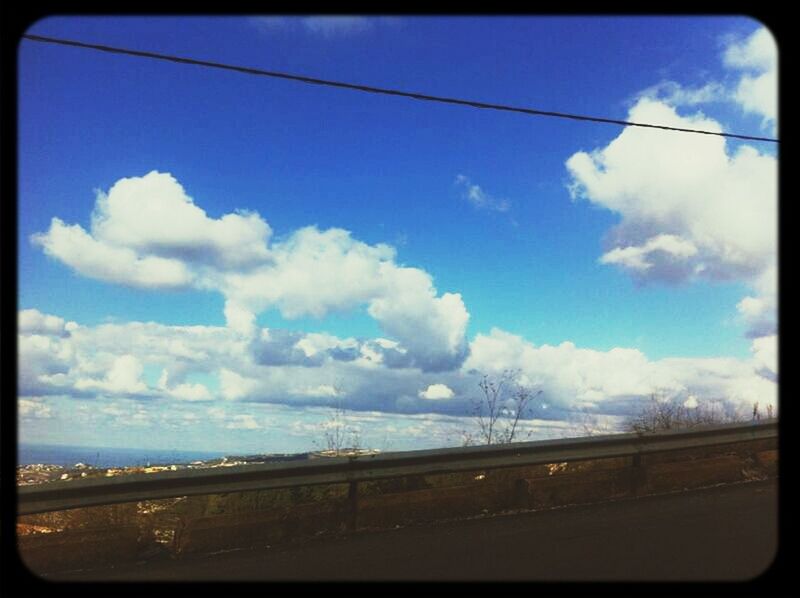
352 503
637 478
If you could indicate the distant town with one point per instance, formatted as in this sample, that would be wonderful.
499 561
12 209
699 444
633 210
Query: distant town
38 473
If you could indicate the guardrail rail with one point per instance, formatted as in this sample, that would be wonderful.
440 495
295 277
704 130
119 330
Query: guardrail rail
73 494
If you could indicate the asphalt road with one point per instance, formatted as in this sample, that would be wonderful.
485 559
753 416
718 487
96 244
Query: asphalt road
727 533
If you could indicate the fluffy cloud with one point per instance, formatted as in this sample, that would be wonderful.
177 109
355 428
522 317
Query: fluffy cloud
147 232
124 377
235 386
45 352
111 263
765 354
32 321
573 377
708 212
314 369
152 215
437 391
691 207
760 311
757 90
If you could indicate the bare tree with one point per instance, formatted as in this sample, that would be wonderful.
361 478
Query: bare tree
668 413
498 409
339 435
585 423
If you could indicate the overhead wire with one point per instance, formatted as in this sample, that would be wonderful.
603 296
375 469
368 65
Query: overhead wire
381 90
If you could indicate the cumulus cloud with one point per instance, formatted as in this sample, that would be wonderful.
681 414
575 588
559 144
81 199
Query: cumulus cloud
760 310
124 377
314 368
32 321
153 215
479 198
45 353
684 195
573 378
147 232
691 207
235 386
765 354
757 90
87 256
437 391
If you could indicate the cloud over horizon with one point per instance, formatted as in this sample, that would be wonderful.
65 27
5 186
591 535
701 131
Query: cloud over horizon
110 360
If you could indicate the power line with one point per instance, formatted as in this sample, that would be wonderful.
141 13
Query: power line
378 90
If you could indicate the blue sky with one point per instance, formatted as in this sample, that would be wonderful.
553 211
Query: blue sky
503 238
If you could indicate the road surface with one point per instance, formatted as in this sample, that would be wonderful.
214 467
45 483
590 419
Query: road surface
724 533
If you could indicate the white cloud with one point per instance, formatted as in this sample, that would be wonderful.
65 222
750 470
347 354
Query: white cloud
235 386
153 215
108 360
33 409
757 90
191 392
432 329
754 61
147 232
111 263
691 208
636 258
43 359
124 377
572 376
765 354
757 52
437 391
479 198
32 321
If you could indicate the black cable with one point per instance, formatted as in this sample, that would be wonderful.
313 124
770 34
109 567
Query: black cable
378 90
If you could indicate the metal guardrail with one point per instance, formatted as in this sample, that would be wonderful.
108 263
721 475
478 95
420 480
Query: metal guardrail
71 494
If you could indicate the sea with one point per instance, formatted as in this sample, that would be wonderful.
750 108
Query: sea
105 457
